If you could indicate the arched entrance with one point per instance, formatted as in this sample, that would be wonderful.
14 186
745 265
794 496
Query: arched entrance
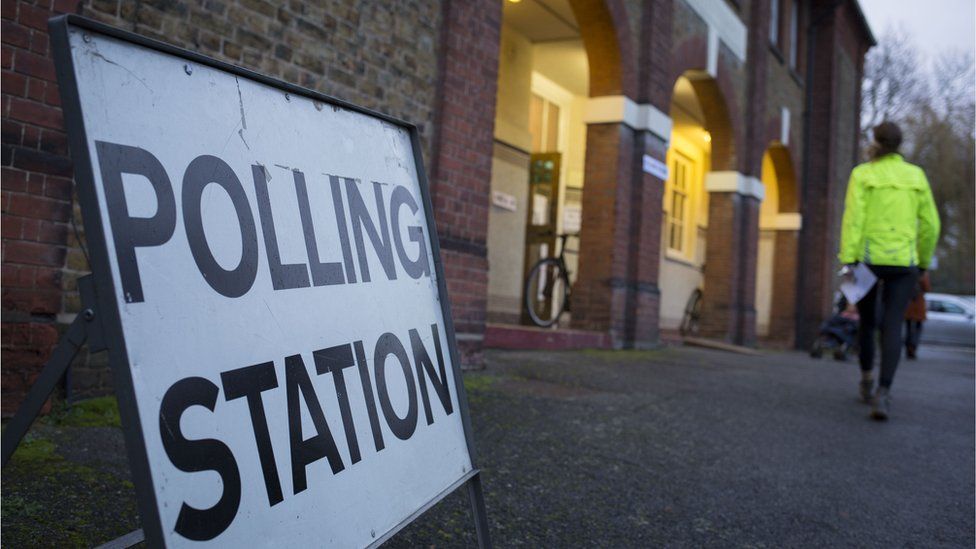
779 225
539 150
699 158
555 55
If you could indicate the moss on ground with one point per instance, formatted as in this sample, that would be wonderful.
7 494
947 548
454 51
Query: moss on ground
477 382
50 501
34 451
627 355
477 386
94 412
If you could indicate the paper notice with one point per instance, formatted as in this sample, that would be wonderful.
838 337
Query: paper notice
858 284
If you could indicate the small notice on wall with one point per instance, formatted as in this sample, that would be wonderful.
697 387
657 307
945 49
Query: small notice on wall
572 218
504 201
655 167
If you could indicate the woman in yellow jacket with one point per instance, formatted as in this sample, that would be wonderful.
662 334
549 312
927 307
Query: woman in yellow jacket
891 224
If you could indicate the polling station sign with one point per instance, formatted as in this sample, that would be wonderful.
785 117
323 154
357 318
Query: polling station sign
269 281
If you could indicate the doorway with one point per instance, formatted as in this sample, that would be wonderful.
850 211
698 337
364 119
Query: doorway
540 143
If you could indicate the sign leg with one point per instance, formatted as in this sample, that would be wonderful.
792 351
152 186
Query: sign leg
476 495
55 367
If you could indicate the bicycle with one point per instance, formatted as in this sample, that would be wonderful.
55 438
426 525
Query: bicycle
547 290
692 315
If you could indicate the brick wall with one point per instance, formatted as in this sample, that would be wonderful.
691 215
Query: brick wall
462 164
37 190
382 55
838 50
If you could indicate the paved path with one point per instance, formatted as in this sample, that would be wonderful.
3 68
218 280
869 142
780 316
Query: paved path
690 447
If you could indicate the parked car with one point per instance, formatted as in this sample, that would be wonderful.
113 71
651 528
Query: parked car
950 320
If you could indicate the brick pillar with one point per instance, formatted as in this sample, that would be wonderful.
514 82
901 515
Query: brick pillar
601 292
646 247
461 166
728 311
745 333
782 315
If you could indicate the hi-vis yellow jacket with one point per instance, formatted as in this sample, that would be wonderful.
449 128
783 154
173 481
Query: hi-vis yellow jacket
889 215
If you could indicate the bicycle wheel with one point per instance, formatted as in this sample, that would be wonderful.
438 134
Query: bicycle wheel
692 316
546 289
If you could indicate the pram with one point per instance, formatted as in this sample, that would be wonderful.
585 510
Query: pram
838 333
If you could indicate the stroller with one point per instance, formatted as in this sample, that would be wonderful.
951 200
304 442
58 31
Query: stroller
838 333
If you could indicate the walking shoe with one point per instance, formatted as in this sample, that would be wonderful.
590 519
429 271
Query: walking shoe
866 388
910 352
881 405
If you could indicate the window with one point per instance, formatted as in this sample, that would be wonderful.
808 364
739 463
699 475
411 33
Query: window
774 22
543 124
945 307
677 221
953 308
794 33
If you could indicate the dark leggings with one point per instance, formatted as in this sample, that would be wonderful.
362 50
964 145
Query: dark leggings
896 286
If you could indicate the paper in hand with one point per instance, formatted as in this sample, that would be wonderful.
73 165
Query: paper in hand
856 287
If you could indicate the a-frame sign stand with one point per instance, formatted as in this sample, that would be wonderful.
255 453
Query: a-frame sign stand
86 328
102 330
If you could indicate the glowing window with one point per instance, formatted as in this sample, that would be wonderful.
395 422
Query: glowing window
681 177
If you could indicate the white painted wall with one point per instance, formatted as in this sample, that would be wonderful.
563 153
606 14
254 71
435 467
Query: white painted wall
767 245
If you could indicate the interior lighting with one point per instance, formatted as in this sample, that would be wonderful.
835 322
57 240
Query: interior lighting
707 137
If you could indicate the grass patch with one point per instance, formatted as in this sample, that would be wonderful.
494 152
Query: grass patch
93 412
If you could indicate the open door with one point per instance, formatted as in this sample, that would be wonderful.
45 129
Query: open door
540 234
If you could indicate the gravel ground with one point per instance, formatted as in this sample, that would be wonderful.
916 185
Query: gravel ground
695 448
678 447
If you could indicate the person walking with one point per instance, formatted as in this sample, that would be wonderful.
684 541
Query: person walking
915 316
890 224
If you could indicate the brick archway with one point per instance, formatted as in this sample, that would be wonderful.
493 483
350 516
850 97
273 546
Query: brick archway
717 120
689 258
786 188
779 225
732 207
609 47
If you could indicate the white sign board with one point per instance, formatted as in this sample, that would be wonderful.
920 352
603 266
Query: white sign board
655 167
274 287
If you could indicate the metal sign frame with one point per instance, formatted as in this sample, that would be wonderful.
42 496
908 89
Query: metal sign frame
107 307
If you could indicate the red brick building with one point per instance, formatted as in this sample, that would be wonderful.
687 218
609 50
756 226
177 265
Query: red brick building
752 105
